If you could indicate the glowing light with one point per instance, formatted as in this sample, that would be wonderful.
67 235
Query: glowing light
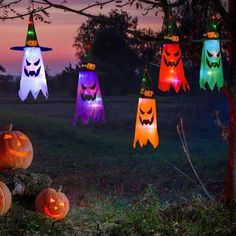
33 77
146 123
89 104
171 69
211 71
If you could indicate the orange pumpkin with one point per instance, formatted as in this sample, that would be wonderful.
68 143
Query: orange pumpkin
16 150
52 203
5 199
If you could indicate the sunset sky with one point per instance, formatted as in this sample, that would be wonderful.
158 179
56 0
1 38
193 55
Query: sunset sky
59 35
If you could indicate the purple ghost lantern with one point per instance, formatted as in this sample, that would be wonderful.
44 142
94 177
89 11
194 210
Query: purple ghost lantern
89 103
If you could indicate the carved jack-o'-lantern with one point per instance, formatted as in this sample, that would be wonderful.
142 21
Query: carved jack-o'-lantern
146 123
33 78
89 103
171 69
211 65
5 198
16 150
52 203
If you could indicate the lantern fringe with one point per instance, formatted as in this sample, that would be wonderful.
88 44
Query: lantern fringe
180 130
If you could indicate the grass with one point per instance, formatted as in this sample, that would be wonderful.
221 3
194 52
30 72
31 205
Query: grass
95 161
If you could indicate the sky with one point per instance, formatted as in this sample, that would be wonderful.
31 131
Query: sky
58 35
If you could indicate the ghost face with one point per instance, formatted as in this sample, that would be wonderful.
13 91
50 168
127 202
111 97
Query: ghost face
32 68
33 78
211 65
213 55
146 123
88 92
171 69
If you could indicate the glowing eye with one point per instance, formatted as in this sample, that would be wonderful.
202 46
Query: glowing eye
209 54
7 136
28 63
167 53
218 54
142 112
150 111
51 200
62 204
37 62
93 86
176 54
23 137
83 87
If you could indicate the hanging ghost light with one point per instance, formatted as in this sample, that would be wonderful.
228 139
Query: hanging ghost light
146 117
211 62
171 68
33 78
89 103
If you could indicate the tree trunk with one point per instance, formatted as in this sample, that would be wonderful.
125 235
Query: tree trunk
230 191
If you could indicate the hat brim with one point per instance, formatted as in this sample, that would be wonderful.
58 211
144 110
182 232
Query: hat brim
21 48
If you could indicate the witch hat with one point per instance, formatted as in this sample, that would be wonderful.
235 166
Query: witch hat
87 62
31 38
171 30
146 90
211 28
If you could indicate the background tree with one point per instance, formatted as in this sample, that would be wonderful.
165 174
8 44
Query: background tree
119 55
7 11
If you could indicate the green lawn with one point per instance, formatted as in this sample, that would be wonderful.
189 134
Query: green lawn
104 178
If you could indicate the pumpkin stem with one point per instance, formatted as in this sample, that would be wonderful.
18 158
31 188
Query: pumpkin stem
60 188
9 127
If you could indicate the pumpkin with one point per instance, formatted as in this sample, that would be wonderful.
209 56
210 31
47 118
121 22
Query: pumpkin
52 203
171 69
146 123
16 150
5 199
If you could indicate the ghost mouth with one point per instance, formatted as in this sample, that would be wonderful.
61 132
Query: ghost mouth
146 121
171 63
213 64
88 97
32 73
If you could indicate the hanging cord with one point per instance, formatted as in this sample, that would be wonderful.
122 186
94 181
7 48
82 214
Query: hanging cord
180 130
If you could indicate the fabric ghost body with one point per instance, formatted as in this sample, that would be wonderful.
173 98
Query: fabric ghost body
211 65
171 69
33 78
146 123
89 104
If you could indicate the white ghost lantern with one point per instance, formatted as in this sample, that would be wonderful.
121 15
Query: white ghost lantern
33 78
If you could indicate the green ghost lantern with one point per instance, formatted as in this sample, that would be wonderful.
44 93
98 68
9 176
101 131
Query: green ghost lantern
211 72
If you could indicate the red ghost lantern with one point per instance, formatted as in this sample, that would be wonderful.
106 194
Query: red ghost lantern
171 69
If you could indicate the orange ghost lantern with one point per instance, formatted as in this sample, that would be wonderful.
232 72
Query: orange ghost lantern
146 118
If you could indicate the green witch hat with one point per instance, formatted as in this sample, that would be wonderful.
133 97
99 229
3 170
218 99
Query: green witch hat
211 28
31 37
87 61
171 30
146 90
